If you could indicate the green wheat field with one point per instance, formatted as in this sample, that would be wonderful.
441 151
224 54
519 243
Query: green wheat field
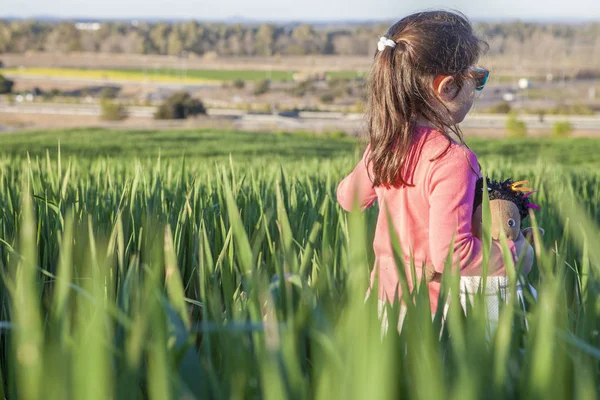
145 264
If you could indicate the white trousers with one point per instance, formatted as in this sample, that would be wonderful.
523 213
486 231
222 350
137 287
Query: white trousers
496 292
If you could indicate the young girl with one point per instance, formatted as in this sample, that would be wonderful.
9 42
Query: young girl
422 84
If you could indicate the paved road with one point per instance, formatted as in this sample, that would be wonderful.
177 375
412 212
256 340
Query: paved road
304 120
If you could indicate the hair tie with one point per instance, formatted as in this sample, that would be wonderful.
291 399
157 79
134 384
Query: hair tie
383 42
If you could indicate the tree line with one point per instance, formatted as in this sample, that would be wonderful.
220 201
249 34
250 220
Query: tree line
512 38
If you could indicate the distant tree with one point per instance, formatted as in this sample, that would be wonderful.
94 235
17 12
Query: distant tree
327 98
180 106
6 85
249 43
5 36
175 43
265 39
303 88
261 87
89 42
339 87
239 84
112 44
343 44
201 42
108 93
65 37
502 107
286 45
235 45
132 43
159 35
558 46
190 34
305 37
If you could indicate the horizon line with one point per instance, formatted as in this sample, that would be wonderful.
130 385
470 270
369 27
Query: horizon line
242 20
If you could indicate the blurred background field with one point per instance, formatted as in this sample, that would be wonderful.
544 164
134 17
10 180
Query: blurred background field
277 76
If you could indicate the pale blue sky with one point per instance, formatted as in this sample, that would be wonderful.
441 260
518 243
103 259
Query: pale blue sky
299 9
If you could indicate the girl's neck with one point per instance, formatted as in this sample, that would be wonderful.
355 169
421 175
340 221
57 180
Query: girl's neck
422 122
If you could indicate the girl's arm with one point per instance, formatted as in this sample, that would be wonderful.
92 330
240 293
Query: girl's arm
451 193
357 187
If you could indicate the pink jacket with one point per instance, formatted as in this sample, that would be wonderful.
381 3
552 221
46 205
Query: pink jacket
425 216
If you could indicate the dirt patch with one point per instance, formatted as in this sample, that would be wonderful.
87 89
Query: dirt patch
105 60
12 122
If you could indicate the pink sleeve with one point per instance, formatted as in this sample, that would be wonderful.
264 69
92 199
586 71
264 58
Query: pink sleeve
357 187
451 193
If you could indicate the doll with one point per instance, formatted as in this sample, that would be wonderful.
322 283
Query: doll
509 206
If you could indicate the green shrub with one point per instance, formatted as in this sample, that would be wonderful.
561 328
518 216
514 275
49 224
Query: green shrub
571 109
111 111
261 87
327 98
499 108
515 127
562 129
339 87
266 108
335 135
6 85
108 93
239 84
302 89
359 107
180 106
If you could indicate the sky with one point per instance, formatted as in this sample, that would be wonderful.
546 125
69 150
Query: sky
300 10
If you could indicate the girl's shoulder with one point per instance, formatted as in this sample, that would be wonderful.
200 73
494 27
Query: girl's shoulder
441 146
445 153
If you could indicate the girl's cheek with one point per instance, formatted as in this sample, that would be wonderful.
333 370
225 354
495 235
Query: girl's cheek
468 101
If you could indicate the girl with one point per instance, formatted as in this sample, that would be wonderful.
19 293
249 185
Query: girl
422 84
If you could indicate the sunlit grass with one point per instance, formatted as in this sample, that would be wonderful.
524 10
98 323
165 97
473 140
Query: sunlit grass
128 277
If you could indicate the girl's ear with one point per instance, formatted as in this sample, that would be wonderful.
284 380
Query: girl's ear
445 88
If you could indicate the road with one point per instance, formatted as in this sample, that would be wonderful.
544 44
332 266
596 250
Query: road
318 121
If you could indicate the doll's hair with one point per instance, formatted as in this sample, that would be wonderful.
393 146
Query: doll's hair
413 52
505 190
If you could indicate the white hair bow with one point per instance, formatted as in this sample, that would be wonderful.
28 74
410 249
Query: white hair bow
383 42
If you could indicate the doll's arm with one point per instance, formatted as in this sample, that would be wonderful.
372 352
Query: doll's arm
524 250
357 187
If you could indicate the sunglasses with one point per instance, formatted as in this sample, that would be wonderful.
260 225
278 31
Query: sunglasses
480 76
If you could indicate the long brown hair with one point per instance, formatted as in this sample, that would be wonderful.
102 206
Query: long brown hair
428 44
